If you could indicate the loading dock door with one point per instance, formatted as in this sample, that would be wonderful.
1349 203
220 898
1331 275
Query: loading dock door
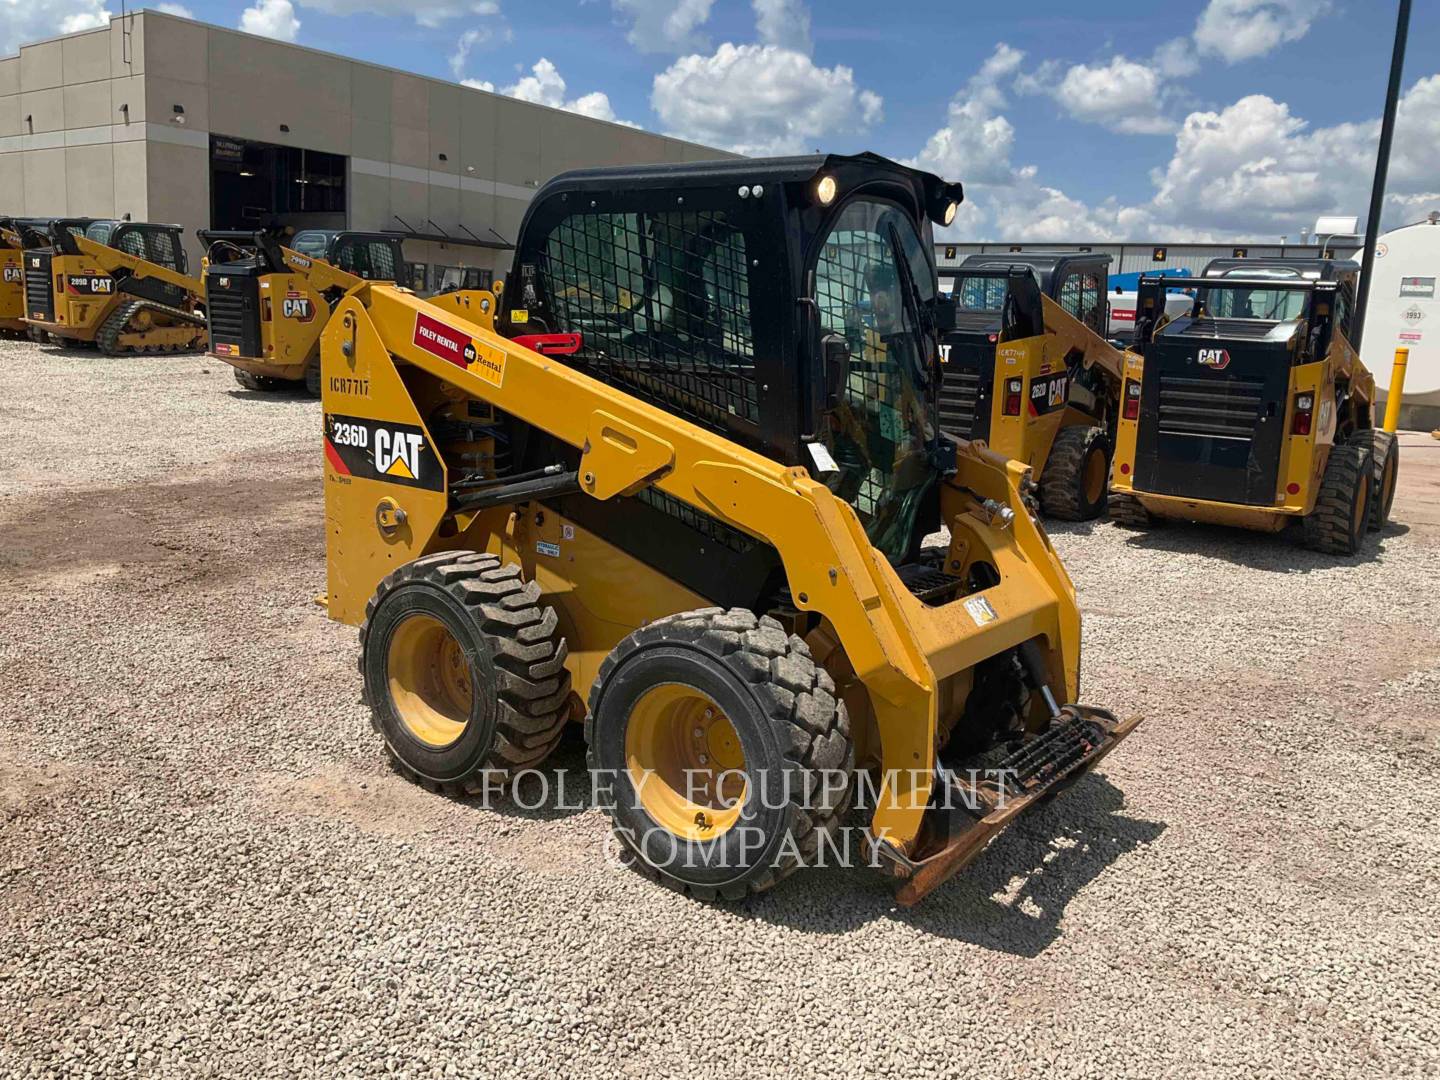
257 185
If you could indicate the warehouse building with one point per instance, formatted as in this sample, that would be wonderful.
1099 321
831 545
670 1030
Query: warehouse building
170 120
1145 257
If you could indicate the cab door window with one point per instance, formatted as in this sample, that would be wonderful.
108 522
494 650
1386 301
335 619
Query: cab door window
876 426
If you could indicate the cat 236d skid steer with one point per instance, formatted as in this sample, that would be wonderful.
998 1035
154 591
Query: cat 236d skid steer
687 468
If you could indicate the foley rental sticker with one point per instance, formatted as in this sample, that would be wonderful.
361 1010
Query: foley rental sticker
449 344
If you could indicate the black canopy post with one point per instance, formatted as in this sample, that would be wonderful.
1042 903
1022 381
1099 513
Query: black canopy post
1382 170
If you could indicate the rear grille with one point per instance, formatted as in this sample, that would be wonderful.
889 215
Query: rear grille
39 298
959 400
1245 329
1225 409
227 317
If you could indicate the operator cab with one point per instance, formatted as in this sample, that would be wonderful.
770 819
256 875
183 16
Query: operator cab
368 255
787 304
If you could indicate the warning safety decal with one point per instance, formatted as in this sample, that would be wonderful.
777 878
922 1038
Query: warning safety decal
375 450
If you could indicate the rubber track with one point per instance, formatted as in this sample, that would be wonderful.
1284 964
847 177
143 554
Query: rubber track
1327 528
800 703
532 681
1063 480
108 338
1126 510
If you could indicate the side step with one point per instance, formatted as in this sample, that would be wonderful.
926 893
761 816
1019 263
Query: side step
971 814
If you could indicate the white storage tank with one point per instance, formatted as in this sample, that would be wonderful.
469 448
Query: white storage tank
1404 309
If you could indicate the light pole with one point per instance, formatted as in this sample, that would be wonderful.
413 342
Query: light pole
1382 169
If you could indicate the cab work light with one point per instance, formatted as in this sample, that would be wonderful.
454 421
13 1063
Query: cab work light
1013 389
1304 409
1132 400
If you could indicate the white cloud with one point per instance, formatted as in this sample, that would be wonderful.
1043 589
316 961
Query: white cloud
479 84
545 86
1237 30
1177 59
429 13
271 18
976 142
176 9
1251 170
1122 95
760 99
783 22
464 44
665 25
23 21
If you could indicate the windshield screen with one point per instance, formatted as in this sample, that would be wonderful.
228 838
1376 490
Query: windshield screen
1271 305
866 280
976 293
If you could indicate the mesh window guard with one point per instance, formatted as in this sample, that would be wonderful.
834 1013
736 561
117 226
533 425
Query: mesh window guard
662 302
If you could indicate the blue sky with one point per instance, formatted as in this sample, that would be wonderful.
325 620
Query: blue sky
1209 118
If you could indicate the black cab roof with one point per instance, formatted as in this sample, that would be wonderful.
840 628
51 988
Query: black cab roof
1311 269
1047 266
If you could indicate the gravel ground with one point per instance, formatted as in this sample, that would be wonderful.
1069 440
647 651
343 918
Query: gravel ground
205 867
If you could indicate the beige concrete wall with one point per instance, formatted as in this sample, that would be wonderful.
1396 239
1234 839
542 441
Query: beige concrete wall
66 146
443 157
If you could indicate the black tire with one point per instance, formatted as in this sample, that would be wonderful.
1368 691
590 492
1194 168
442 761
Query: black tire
1128 511
1342 508
262 383
1076 475
1385 462
793 733
312 378
519 688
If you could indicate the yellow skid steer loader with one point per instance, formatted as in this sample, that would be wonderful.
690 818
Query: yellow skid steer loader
267 304
1027 370
121 286
684 483
12 279
1252 409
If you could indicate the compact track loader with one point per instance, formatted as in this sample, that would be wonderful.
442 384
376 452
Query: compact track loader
119 285
1253 409
1027 370
678 484
267 303
12 280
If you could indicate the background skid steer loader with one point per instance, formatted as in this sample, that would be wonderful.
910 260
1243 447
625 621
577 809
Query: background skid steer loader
12 280
119 285
1253 409
1027 370
685 469
267 303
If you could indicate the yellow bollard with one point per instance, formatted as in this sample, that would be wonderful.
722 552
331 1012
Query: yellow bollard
1397 388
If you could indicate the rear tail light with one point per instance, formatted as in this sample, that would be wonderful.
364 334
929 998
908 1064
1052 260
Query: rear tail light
1013 391
1304 409
1132 400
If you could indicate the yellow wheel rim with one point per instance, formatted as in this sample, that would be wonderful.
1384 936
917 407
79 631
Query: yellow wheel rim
685 762
1094 477
429 680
